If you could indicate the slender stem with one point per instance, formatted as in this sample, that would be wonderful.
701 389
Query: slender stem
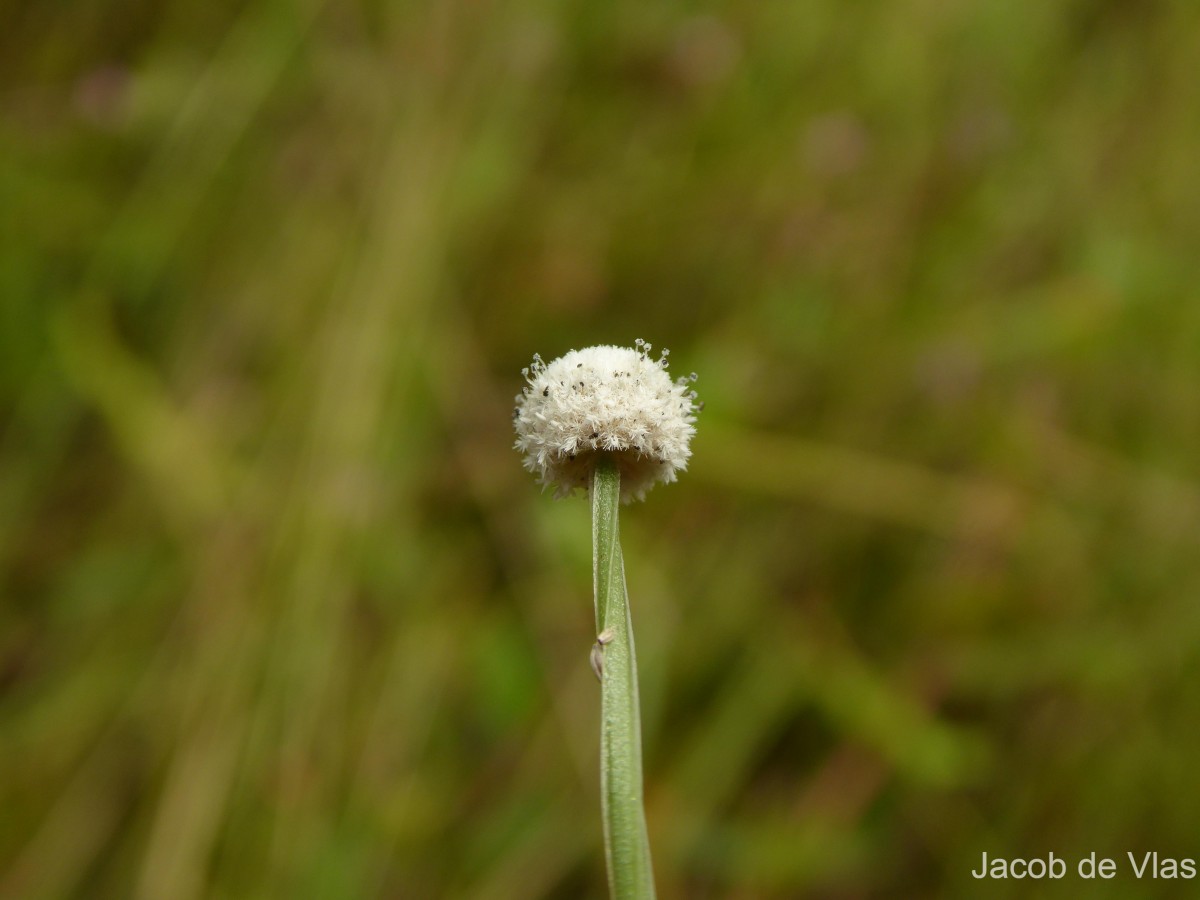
627 847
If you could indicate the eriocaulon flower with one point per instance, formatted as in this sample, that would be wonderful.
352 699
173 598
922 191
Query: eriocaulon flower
610 420
605 400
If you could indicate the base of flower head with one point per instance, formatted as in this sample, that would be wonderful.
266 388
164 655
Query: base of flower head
638 474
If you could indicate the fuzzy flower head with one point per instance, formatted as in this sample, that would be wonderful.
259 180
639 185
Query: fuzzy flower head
615 400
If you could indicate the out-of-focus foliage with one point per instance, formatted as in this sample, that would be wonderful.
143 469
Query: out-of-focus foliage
282 615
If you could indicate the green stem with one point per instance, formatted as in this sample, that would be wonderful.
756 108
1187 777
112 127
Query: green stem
627 847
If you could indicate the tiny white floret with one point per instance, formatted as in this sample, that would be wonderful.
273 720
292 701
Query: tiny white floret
606 399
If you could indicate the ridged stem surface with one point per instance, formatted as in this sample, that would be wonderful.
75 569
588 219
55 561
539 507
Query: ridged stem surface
627 847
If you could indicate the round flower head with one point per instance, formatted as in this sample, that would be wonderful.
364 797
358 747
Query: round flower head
614 400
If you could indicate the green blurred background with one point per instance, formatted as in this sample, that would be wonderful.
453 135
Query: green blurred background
284 617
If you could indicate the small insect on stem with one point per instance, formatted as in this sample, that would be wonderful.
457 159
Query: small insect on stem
597 655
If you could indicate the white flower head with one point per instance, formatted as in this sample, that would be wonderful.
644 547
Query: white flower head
614 400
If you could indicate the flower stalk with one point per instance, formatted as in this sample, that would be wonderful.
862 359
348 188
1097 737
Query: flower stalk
627 846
